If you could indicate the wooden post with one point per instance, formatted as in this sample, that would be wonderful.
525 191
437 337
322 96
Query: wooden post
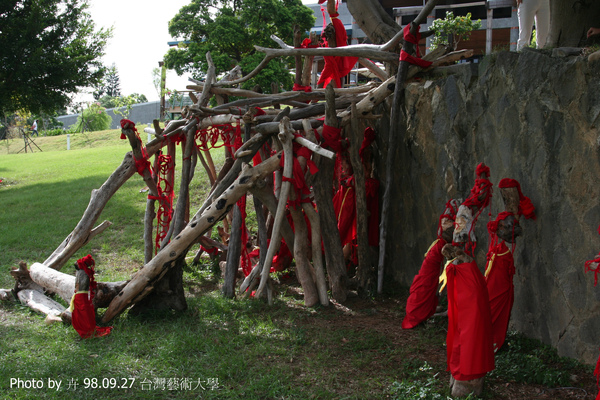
396 117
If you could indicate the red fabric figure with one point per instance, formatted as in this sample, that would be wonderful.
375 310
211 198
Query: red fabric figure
501 291
336 67
470 353
84 317
423 300
83 314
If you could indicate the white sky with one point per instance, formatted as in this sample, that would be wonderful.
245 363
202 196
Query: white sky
139 42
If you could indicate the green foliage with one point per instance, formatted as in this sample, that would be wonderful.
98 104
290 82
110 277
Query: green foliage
528 360
54 132
459 27
48 50
420 385
229 31
110 85
93 118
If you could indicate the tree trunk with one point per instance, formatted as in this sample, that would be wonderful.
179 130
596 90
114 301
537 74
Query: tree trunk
363 272
323 190
373 20
570 20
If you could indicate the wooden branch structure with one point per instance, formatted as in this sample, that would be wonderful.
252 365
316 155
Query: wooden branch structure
318 269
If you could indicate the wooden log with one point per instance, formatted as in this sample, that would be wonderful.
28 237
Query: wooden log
363 271
40 303
142 283
373 52
54 281
396 117
301 250
371 66
279 216
233 254
323 191
317 254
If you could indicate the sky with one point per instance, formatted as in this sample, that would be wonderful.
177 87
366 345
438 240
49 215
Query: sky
139 42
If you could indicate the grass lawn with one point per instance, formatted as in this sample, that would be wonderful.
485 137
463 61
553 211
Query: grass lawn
217 348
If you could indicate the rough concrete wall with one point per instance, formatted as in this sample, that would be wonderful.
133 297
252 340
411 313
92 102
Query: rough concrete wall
530 117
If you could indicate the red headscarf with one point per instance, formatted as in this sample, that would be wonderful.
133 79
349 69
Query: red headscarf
526 208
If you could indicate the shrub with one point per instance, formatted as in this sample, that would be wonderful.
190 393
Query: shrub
459 28
93 118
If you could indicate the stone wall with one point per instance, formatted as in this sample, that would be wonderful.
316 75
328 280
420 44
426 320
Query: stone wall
531 117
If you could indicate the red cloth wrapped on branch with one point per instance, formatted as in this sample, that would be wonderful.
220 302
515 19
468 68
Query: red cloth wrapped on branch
414 39
470 353
83 314
344 205
336 67
422 300
143 163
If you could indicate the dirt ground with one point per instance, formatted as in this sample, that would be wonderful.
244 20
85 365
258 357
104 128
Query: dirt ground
384 316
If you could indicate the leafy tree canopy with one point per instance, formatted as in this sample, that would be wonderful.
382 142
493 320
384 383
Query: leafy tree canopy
229 30
48 49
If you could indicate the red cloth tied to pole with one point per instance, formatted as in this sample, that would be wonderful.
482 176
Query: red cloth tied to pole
165 197
143 164
470 353
501 291
332 138
423 300
344 205
297 180
526 208
414 39
336 67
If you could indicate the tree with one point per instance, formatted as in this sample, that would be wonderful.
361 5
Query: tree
110 85
570 21
48 50
93 118
229 31
459 27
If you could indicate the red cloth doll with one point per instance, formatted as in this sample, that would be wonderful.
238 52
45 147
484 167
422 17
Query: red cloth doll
423 299
501 291
470 353
82 310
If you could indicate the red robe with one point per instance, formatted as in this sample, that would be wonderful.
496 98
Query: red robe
501 291
83 317
470 353
423 299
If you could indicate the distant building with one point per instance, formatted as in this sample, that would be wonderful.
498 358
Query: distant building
141 113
